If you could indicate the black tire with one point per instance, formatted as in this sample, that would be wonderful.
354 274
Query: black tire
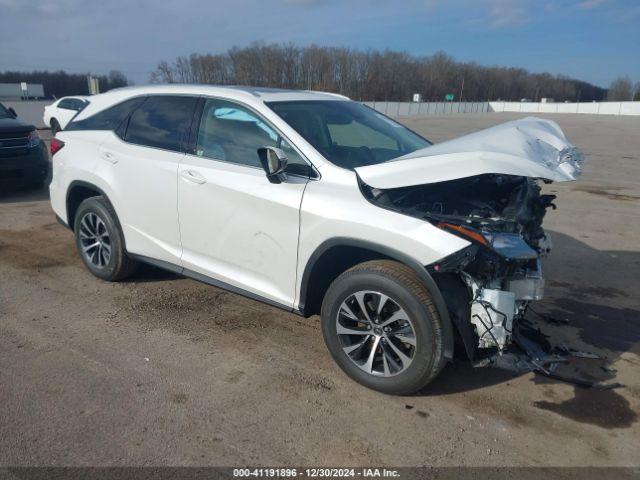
55 127
404 287
119 265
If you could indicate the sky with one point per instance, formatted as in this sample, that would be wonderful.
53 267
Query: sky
592 40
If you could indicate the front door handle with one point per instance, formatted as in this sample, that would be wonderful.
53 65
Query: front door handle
193 176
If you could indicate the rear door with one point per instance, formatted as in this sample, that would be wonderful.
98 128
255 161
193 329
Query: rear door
140 162
237 228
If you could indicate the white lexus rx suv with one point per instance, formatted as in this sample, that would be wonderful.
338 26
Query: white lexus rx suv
320 205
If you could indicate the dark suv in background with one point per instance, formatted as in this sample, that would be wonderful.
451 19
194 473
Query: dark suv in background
24 160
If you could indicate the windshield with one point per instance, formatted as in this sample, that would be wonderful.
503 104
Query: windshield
348 134
4 113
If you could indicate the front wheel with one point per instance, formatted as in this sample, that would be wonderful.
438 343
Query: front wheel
381 327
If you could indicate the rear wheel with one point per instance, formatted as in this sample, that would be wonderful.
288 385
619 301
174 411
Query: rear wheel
55 127
100 241
381 327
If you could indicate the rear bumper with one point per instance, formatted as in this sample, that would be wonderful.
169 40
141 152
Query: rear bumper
18 168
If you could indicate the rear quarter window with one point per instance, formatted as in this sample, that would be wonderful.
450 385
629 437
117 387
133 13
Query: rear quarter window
108 119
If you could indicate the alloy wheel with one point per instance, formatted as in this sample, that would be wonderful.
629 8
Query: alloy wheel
94 240
376 333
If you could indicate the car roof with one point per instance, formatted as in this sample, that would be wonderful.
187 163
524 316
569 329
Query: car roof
264 93
247 94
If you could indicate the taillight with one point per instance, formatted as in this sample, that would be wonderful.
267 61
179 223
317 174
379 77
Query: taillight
56 146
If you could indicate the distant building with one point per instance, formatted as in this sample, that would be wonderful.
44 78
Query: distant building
18 91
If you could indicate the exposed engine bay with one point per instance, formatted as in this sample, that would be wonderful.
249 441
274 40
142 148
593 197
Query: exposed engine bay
489 284
485 187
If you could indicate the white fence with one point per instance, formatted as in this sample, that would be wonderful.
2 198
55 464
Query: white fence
414 109
602 108
31 111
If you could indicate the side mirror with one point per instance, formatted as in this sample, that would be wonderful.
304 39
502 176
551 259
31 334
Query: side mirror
274 161
12 112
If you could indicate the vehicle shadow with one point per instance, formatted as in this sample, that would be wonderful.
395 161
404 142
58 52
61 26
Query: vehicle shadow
23 194
148 273
602 318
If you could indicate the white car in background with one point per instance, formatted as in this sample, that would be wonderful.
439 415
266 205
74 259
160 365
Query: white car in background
59 113
319 205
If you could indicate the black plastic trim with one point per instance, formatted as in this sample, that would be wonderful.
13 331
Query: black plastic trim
211 281
62 222
190 144
81 183
419 269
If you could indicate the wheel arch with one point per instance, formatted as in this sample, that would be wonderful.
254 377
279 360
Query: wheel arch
77 192
337 255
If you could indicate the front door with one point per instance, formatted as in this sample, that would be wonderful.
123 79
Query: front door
236 227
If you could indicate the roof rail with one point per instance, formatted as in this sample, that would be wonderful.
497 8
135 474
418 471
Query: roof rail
327 93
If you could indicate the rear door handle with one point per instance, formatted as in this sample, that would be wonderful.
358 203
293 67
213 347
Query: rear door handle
193 176
109 157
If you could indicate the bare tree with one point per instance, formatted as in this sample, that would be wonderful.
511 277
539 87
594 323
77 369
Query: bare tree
370 75
117 79
621 89
162 74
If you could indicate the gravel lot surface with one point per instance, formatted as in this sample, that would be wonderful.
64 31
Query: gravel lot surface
162 370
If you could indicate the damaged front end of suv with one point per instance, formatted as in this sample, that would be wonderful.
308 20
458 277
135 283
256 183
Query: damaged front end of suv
485 188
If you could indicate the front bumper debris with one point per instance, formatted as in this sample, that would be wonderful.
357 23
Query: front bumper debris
531 352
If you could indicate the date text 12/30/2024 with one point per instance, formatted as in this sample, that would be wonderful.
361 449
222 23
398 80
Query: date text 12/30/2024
315 473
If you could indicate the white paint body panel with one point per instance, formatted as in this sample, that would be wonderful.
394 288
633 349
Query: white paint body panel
144 194
337 209
531 147
75 162
239 228
227 222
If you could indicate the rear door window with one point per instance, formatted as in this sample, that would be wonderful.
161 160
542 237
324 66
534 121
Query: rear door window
66 103
162 122
77 104
109 119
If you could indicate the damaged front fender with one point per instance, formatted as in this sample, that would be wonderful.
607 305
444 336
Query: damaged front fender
483 187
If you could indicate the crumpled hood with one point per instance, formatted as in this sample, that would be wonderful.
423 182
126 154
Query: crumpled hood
530 147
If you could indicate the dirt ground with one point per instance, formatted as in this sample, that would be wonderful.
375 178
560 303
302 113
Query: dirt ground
162 370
